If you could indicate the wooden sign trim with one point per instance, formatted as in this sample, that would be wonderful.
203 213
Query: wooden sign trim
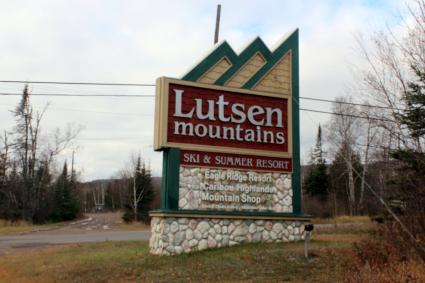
161 120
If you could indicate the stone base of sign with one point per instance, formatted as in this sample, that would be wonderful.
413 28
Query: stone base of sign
176 235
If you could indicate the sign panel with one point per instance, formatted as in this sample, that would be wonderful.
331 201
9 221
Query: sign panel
231 189
238 161
210 118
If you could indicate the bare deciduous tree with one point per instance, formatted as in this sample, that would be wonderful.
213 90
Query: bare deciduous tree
343 133
394 78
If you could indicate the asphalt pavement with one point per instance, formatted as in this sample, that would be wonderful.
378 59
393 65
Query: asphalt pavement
94 228
32 240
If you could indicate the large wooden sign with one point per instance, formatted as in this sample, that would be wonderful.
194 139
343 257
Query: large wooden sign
229 132
209 118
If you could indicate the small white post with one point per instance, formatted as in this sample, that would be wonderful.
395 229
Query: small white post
308 229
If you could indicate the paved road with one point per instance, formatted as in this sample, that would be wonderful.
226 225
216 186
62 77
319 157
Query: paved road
10 242
94 228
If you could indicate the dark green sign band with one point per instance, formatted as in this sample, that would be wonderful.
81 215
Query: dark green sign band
171 156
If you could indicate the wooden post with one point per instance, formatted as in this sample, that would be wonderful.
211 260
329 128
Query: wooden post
217 24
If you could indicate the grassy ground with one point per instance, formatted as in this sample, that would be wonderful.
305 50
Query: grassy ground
343 220
7 227
132 226
130 261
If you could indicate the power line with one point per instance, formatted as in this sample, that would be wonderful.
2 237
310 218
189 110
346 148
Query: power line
111 139
151 95
78 95
87 110
348 115
350 103
152 85
148 95
75 83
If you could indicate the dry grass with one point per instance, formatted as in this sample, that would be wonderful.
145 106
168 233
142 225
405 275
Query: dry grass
135 226
19 227
344 219
347 228
385 257
130 261
396 272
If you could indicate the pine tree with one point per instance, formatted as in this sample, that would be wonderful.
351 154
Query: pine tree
339 178
140 194
58 195
148 193
22 144
411 178
42 203
413 117
317 154
316 183
65 201
71 205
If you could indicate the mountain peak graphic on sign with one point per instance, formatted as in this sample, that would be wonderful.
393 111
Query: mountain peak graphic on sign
256 67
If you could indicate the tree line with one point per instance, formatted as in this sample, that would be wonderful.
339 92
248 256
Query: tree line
28 189
36 187
132 190
371 160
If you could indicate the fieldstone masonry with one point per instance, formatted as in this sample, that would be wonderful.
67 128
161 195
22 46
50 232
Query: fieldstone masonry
174 235
263 192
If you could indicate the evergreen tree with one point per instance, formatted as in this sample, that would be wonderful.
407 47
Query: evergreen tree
317 155
58 195
338 178
413 117
22 144
71 204
140 194
414 114
13 208
411 180
66 204
145 185
42 205
316 183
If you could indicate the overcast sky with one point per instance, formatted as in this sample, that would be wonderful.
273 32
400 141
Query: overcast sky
139 41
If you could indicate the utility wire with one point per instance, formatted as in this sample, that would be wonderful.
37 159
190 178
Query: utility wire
152 85
75 83
111 138
78 95
348 115
148 95
350 103
151 95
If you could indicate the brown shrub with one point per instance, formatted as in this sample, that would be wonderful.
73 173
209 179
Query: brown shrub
316 207
386 257
407 271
